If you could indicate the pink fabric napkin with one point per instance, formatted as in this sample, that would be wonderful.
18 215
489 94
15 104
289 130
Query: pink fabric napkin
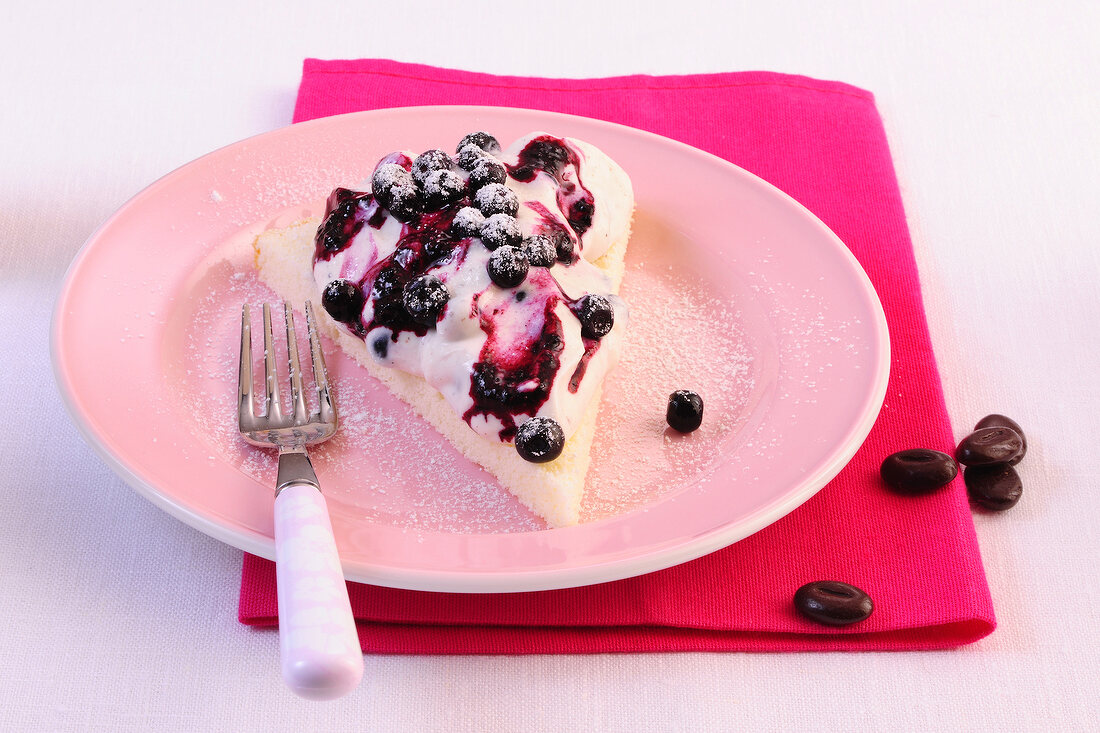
824 144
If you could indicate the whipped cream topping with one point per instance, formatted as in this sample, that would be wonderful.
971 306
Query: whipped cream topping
498 355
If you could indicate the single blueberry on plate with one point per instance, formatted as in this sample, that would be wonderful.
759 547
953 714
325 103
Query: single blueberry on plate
685 410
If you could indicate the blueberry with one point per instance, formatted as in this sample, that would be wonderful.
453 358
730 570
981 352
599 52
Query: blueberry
467 222
425 298
442 188
486 171
540 440
386 177
338 228
437 245
469 156
380 344
563 245
338 196
496 198
500 230
685 410
550 342
330 239
489 390
340 224
596 316
539 250
391 314
404 202
545 153
343 300
429 161
482 140
507 266
386 283
395 189
341 205
580 214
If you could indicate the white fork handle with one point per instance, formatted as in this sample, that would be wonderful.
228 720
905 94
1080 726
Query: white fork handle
321 657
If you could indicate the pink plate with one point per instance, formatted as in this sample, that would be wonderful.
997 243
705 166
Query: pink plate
762 310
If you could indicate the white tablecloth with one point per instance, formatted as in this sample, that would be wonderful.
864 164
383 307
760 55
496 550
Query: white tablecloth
115 617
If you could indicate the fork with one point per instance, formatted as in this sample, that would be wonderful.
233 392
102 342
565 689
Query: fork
319 647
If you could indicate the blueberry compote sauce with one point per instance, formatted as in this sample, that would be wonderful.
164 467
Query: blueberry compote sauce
522 352
552 156
524 335
521 355
425 242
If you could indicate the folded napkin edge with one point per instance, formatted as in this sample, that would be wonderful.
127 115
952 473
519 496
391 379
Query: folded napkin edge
389 637
672 82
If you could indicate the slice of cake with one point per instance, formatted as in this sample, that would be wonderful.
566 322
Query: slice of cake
481 288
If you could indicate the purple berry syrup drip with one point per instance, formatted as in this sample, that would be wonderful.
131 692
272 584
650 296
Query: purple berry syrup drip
552 156
515 371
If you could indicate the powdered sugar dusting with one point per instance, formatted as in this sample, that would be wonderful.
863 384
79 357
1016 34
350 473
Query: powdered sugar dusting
376 468
500 228
386 465
388 175
680 336
469 221
496 198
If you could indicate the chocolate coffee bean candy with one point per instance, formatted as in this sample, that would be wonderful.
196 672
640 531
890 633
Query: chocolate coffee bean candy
1000 421
918 470
996 487
833 603
987 446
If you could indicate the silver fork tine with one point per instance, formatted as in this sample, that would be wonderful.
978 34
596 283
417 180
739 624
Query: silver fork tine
320 371
245 415
272 403
297 399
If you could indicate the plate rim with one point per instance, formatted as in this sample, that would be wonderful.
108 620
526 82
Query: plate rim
480 581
